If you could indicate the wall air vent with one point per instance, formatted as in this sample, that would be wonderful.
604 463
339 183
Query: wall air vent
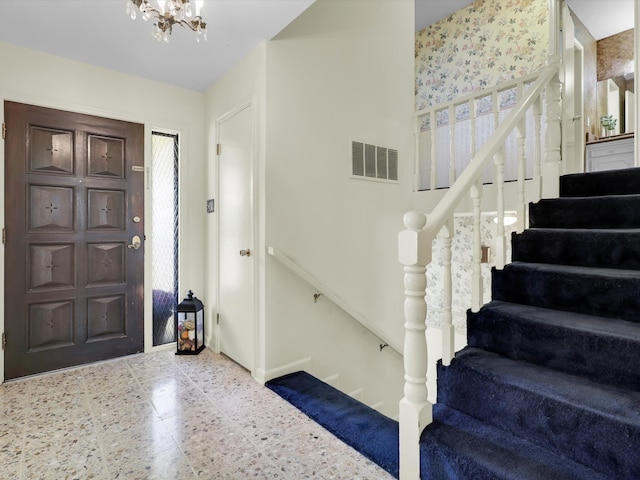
371 162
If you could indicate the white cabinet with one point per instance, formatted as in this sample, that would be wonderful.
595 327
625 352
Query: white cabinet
610 153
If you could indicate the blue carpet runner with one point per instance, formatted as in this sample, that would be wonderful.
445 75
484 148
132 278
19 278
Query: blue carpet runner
372 434
549 384
548 387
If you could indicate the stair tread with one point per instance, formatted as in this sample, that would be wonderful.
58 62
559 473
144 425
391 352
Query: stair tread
370 432
606 211
613 197
575 269
623 405
603 349
570 320
585 231
499 453
597 183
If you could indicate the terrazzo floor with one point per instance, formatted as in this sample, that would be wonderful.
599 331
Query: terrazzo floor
162 416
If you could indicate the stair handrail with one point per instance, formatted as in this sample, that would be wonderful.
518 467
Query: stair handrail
293 266
476 94
415 246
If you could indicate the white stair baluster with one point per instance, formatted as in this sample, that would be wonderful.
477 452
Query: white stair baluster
434 151
537 150
495 100
521 135
501 240
447 321
452 145
476 278
417 175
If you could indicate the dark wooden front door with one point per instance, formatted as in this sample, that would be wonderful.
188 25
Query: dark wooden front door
73 204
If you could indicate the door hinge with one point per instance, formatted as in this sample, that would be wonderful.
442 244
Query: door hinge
4 130
217 319
4 236
4 340
218 149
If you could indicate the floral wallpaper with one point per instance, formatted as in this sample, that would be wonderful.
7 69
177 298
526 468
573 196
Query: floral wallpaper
461 268
479 46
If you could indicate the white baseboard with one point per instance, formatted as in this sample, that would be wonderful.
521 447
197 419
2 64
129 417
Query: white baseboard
357 394
333 380
265 376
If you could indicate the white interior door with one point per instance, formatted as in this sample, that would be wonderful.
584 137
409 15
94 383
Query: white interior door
236 301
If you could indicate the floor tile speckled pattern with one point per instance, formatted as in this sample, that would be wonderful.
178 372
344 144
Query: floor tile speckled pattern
162 416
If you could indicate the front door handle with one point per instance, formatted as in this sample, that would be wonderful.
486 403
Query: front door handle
135 243
245 253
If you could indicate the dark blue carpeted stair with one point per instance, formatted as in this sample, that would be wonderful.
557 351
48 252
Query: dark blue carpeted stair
549 384
374 435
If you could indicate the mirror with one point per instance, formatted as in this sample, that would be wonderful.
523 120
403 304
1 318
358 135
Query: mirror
615 88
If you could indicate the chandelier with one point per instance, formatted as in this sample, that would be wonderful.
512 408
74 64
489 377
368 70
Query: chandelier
167 14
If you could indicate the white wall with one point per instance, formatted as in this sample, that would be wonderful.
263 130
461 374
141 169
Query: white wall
41 79
342 71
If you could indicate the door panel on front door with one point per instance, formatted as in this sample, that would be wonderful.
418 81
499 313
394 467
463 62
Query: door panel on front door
73 290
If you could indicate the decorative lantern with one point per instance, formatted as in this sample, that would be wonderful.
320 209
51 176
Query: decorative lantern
190 326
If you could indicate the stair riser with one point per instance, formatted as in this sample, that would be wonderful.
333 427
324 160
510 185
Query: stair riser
605 212
440 461
601 183
596 441
456 446
606 249
614 297
607 359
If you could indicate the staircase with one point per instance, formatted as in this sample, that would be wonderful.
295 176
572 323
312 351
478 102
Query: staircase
549 384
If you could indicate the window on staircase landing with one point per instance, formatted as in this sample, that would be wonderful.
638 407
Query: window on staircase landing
164 235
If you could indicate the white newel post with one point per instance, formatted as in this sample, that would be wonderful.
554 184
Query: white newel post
414 252
553 138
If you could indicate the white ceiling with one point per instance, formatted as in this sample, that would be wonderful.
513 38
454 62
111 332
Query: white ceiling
99 32
430 11
604 19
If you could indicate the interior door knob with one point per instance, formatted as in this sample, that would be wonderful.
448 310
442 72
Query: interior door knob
245 253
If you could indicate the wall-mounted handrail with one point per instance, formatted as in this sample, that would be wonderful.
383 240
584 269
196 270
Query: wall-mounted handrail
334 297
